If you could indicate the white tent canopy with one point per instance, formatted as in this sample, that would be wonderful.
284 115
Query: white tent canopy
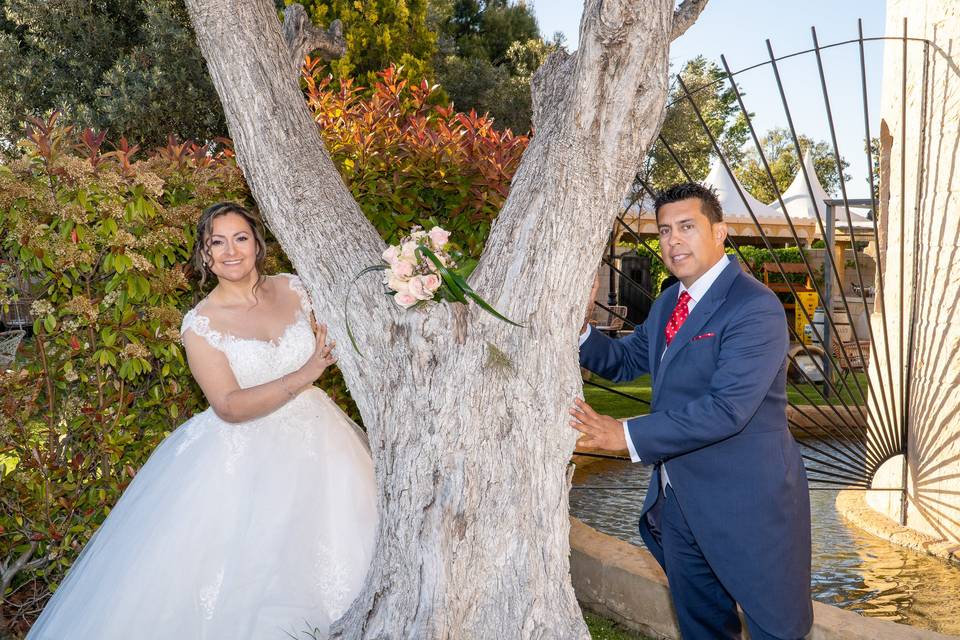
803 209
737 214
731 202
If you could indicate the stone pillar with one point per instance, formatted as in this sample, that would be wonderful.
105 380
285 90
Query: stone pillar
920 219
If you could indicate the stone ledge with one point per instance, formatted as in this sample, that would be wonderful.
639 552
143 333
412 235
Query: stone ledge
852 505
622 582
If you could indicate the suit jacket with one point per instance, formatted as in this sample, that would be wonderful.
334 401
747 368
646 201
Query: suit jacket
718 417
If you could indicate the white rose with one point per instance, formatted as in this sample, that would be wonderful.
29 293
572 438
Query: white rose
439 237
431 283
391 254
400 285
401 269
408 251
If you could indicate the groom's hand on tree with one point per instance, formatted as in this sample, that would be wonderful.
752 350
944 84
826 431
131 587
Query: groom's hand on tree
599 432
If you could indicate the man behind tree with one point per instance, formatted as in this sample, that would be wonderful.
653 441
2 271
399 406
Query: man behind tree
727 513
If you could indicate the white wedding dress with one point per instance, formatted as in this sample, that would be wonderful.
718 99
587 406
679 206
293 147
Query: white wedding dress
249 531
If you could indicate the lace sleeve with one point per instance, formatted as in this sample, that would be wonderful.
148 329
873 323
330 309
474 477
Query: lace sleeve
297 286
200 325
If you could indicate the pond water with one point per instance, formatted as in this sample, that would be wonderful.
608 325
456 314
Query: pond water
851 569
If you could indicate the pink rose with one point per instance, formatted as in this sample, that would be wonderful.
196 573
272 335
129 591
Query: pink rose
401 269
391 254
439 237
419 289
405 300
431 283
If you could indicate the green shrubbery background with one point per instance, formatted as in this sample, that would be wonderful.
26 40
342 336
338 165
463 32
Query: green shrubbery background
98 241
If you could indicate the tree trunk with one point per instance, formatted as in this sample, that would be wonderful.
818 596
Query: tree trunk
467 416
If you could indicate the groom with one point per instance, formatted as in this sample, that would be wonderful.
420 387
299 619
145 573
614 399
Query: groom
727 513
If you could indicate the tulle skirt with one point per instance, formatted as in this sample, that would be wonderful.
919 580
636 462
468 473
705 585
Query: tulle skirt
257 530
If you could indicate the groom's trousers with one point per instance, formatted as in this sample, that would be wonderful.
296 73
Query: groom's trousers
705 609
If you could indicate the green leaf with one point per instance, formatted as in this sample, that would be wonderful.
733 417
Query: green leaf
467 265
346 298
445 274
460 287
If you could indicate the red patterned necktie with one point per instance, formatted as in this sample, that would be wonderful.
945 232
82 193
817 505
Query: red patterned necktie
678 317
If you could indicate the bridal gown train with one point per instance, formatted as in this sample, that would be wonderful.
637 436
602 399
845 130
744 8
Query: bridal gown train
247 531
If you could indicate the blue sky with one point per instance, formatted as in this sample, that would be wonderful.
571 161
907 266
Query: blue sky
738 29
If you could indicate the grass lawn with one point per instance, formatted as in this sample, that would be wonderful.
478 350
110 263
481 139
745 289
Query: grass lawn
610 404
603 629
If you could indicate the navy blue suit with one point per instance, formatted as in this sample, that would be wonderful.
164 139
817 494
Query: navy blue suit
718 419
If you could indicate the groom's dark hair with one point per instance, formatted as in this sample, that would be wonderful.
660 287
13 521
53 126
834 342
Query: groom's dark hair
709 204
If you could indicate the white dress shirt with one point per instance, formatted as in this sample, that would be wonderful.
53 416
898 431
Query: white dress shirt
697 290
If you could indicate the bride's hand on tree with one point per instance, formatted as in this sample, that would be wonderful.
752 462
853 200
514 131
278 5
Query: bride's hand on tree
322 355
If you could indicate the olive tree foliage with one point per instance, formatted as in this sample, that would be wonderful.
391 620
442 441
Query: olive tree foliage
487 54
130 67
466 415
780 153
684 134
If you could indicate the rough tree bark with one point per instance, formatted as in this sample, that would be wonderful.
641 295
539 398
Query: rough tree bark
466 415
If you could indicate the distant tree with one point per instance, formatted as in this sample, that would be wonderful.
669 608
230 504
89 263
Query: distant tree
875 165
781 155
129 66
487 53
684 133
501 25
380 33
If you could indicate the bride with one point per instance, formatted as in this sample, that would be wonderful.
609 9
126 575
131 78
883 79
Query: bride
256 518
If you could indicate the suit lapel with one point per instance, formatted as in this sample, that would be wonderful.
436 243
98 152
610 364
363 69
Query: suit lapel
701 313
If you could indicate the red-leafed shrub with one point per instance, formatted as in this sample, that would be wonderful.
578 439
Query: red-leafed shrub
409 161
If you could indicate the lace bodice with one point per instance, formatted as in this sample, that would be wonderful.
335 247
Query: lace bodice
253 361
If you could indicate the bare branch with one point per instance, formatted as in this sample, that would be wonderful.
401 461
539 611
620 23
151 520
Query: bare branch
685 15
303 37
11 571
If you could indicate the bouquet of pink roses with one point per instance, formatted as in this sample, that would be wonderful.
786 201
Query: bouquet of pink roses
411 277
426 267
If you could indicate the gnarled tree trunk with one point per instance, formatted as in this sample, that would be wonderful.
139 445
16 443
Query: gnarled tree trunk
466 415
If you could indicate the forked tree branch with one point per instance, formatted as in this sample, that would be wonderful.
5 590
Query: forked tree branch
303 37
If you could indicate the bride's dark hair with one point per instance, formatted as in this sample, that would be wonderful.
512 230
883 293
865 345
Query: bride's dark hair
201 247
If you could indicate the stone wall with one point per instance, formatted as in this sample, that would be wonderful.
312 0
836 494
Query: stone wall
920 219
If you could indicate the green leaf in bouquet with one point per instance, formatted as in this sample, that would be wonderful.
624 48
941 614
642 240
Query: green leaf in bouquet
346 298
458 285
445 274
